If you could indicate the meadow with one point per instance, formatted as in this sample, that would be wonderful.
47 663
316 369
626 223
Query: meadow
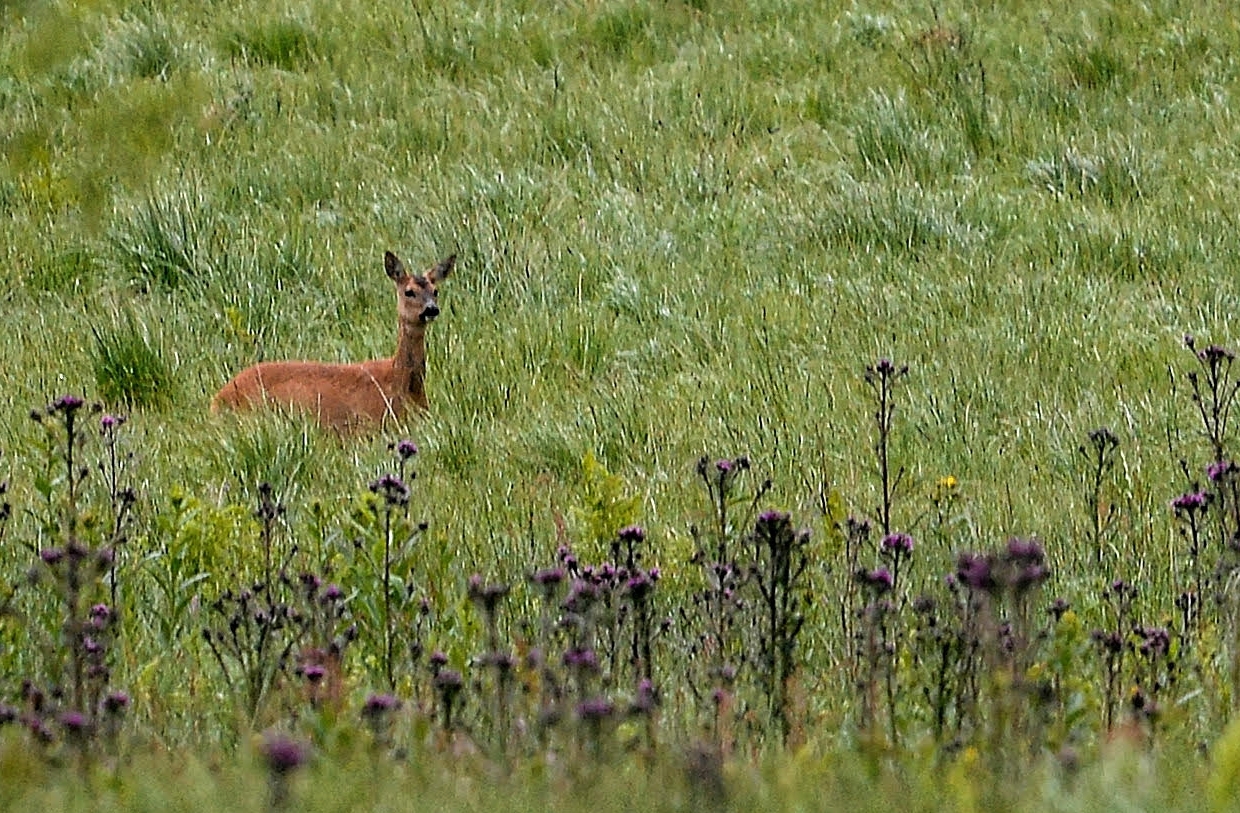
831 405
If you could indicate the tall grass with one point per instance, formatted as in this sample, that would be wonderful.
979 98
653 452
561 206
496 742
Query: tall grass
684 229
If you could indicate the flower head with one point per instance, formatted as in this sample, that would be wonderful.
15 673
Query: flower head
67 404
115 703
1220 470
392 489
405 449
897 544
1191 502
380 705
283 754
595 709
633 533
879 580
975 571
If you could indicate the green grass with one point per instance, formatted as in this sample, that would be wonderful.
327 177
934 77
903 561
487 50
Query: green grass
683 229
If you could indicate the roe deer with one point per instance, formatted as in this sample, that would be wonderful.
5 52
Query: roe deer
346 396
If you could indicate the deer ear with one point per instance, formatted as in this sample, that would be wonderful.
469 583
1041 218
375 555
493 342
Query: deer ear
443 268
394 267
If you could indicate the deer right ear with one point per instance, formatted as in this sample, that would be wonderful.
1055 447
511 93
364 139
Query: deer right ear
394 267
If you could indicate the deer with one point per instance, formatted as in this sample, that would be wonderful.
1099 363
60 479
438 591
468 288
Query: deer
346 397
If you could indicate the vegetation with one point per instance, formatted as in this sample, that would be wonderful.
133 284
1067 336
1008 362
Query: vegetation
832 405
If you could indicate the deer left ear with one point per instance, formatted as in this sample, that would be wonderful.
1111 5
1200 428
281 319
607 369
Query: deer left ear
394 267
441 270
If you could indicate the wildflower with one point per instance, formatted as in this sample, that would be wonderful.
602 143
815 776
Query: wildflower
595 709
1025 551
111 422
332 593
380 705
487 596
549 579
283 754
115 703
314 673
75 724
897 544
1214 354
581 658
633 534
392 489
51 556
67 404
1155 641
1220 470
947 483
1191 502
646 699
405 449
879 580
773 517
975 572
640 585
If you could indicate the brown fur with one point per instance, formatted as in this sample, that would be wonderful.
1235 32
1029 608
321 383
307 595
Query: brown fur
349 396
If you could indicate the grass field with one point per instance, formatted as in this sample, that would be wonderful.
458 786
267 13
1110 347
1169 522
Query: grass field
686 231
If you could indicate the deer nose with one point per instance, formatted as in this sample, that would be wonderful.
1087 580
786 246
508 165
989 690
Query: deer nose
430 312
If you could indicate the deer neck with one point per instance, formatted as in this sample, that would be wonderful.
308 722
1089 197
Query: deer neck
409 363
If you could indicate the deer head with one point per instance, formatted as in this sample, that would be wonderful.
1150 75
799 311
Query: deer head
417 302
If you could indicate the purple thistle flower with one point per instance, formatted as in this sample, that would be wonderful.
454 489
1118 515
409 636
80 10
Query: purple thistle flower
438 660
975 572
646 698
67 404
1025 551
380 705
332 593
897 544
406 449
1220 470
51 556
283 754
448 681
773 517
632 533
104 558
314 673
879 579
581 658
1214 354
595 709
1191 502
115 703
640 585
110 422
75 724
548 578
392 489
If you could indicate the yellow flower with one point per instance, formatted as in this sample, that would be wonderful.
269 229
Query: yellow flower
947 483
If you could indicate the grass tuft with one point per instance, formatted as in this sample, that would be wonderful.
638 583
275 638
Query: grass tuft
130 370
